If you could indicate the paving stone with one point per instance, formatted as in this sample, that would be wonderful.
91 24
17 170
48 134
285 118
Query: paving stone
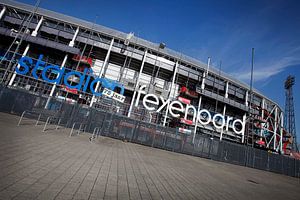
53 166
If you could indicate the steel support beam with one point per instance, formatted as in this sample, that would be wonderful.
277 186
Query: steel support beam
222 130
200 99
2 12
102 70
262 124
54 85
35 32
137 84
275 128
72 42
226 90
172 84
205 74
246 99
281 131
243 136
18 66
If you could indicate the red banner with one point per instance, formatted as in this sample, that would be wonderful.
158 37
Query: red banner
184 100
73 91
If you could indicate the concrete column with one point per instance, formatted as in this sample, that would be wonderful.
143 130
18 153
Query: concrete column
281 131
54 85
35 32
262 117
174 77
226 90
205 74
246 99
137 83
275 128
2 12
72 42
18 66
222 130
243 136
196 123
200 98
172 84
102 69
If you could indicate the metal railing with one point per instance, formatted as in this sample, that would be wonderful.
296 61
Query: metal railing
82 127
30 112
110 124
95 134
56 120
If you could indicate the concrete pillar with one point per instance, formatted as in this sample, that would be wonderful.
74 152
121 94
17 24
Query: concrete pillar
262 117
205 74
172 84
2 12
246 98
35 32
226 90
102 69
222 130
54 85
18 66
196 123
200 98
137 83
243 136
174 77
72 42
275 128
281 130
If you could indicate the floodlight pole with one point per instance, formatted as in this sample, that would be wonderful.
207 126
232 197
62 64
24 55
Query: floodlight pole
250 122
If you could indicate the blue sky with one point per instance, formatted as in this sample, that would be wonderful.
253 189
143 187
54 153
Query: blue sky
224 30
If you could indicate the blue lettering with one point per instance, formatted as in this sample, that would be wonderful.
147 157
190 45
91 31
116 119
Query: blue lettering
98 94
39 63
86 83
57 69
26 63
75 73
22 63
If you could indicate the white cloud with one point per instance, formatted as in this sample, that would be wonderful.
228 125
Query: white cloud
264 70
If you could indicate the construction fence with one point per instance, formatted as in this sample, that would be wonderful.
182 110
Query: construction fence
111 124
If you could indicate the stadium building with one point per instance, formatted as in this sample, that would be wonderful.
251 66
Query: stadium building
114 70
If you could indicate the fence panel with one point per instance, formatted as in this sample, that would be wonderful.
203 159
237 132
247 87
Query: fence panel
159 137
187 145
111 124
275 163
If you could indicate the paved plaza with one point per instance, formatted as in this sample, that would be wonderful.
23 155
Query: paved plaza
51 165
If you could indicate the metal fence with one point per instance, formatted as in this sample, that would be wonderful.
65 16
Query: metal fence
107 123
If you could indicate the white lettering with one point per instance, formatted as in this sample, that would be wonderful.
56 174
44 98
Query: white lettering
215 120
204 117
172 108
208 117
242 124
187 112
164 103
141 91
149 101
227 122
